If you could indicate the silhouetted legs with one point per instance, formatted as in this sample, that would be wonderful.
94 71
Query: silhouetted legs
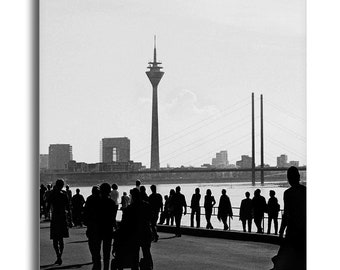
115 215
225 225
170 219
244 221
94 246
147 254
58 245
208 213
178 218
258 223
270 218
197 212
154 218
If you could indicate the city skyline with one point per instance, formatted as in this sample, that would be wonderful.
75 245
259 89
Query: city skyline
93 83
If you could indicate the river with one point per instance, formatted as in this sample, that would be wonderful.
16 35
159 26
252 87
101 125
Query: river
235 191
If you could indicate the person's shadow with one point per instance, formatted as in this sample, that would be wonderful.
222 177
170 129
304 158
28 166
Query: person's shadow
72 266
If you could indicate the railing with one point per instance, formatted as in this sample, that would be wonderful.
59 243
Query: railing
236 216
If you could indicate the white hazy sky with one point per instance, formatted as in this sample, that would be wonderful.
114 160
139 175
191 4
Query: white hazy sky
93 58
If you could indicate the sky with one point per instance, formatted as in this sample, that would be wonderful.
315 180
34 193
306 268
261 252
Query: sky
93 58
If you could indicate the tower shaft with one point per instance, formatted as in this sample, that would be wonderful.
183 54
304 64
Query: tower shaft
155 75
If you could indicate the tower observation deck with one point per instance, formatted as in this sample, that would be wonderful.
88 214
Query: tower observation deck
155 75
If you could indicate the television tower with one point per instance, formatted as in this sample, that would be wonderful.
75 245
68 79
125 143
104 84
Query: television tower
155 75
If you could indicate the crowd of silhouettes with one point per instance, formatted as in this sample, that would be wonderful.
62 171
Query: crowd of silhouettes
141 212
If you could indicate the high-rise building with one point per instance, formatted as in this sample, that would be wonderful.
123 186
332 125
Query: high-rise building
155 75
115 149
245 162
282 161
43 161
58 156
294 163
221 160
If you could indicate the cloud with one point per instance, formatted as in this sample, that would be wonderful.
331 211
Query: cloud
187 102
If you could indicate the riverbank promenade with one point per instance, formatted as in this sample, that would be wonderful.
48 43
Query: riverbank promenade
186 252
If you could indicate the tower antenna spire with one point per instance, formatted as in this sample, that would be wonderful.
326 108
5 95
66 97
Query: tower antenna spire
154 49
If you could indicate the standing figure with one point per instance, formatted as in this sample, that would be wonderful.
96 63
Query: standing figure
195 208
292 252
143 194
99 217
69 197
209 202
114 195
58 203
125 201
138 184
156 204
246 212
42 202
46 198
77 208
134 233
224 209
171 216
165 212
273 211
179 204
259 208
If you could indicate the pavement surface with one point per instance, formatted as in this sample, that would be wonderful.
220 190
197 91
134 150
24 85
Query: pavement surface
186 252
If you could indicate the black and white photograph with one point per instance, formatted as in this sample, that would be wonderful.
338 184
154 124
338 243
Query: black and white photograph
172 134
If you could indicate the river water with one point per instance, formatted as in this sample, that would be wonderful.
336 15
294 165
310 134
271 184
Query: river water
235 191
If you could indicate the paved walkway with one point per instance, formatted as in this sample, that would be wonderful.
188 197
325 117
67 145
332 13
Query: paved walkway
186 252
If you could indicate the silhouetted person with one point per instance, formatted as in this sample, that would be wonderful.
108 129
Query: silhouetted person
165 213
91 216
138 184
156 204
209 202
171 216
42 202
292 252
134 233
246 212
179 204
99 213
273 211
125 201
58 202
77 208
69 197
259 208
114 195
224 209
46 199
143 194
195 208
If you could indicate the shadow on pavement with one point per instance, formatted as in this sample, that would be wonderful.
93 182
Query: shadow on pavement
72 266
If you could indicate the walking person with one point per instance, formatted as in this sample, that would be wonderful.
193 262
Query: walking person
99 217
224 209
179 208
259 208
42 202
114 195
246 212
209 202
58 203
273 211
78 202
195 208
156 204
46 198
